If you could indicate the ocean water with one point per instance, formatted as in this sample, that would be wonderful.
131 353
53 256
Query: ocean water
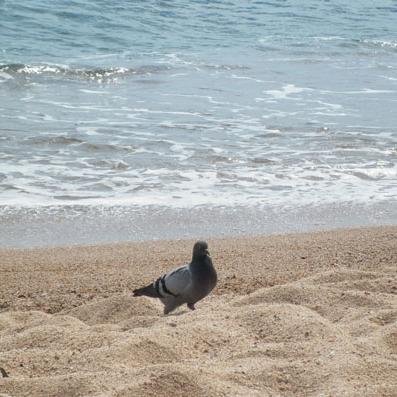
184 104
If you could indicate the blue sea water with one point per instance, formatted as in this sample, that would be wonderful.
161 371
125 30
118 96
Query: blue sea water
188 103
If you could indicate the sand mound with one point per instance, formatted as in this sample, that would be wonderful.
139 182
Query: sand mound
348 280
142 350
302 331
278 323
167 382
114 310
331 295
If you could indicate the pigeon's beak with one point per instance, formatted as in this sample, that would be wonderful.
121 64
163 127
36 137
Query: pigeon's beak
207 252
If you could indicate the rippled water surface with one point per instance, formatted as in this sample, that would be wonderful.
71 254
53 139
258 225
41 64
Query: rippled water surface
185 103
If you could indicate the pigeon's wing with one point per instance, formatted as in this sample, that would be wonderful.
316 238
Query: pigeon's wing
175 282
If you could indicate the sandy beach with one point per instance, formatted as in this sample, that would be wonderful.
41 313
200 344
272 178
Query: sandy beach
293 315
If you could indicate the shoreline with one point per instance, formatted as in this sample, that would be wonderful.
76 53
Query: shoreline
293 314
26 227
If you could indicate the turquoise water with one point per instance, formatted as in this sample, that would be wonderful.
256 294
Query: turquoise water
189 103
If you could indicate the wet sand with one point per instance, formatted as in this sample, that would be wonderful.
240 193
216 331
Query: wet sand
293 315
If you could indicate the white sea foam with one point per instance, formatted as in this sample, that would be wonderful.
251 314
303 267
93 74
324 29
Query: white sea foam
389 78
93 91
286 91
382 43
5 76
233 76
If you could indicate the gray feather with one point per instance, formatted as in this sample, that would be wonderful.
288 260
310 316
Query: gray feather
178 280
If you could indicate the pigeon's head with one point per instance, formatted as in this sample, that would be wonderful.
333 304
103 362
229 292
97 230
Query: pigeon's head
200 250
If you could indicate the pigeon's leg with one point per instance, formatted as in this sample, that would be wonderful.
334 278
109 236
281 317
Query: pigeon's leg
166 310
191 306
169 306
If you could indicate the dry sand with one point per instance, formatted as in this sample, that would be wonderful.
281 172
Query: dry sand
294 315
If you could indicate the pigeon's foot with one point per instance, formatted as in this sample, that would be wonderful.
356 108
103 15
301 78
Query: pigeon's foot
191 306
167 311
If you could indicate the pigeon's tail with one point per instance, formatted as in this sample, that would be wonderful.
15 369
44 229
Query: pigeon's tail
149 290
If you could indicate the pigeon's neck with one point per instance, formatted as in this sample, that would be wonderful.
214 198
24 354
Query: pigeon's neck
203 273
197 261
201 261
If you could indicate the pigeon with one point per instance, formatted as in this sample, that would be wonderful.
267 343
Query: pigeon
186 284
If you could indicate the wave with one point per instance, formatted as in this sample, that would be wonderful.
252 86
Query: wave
85 73
384 44
52 140
62 140
333 46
